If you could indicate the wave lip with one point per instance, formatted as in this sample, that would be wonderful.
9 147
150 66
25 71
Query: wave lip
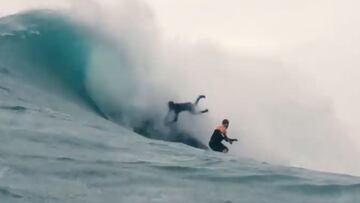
49 49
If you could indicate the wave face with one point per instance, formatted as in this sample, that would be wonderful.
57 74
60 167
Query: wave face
56 146
52 51
45 48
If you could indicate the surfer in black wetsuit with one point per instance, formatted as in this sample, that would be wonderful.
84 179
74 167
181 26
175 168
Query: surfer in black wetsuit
220 135
180 107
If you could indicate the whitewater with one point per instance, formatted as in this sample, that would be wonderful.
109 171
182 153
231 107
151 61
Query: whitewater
62 139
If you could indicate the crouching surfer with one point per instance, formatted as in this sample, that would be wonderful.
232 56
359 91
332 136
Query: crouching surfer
219 135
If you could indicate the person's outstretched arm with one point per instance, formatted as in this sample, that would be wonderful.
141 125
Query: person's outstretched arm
195 104
230 140
200 112
198 99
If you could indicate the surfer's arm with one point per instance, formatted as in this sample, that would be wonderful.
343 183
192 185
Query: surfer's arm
225 137
229 140
201 112
198 99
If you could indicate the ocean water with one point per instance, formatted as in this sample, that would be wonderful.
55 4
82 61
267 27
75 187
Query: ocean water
58 143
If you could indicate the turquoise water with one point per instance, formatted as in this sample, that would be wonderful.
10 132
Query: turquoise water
59 144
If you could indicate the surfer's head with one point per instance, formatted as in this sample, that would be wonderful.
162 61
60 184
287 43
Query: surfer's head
225 123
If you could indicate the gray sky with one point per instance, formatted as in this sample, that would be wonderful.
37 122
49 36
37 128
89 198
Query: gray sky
254 24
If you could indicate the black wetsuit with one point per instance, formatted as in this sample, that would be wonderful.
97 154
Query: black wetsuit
215 141
183 107
188 106
180 107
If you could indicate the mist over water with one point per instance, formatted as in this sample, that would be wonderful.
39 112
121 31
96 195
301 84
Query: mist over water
296 107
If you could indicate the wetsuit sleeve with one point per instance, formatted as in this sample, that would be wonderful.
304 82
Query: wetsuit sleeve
225 136
230 140
198 99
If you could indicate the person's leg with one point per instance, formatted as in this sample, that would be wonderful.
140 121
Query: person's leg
171 118
218 147
176 117
215 146
224 149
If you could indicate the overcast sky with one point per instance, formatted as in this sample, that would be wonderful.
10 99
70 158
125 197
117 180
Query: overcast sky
255 24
